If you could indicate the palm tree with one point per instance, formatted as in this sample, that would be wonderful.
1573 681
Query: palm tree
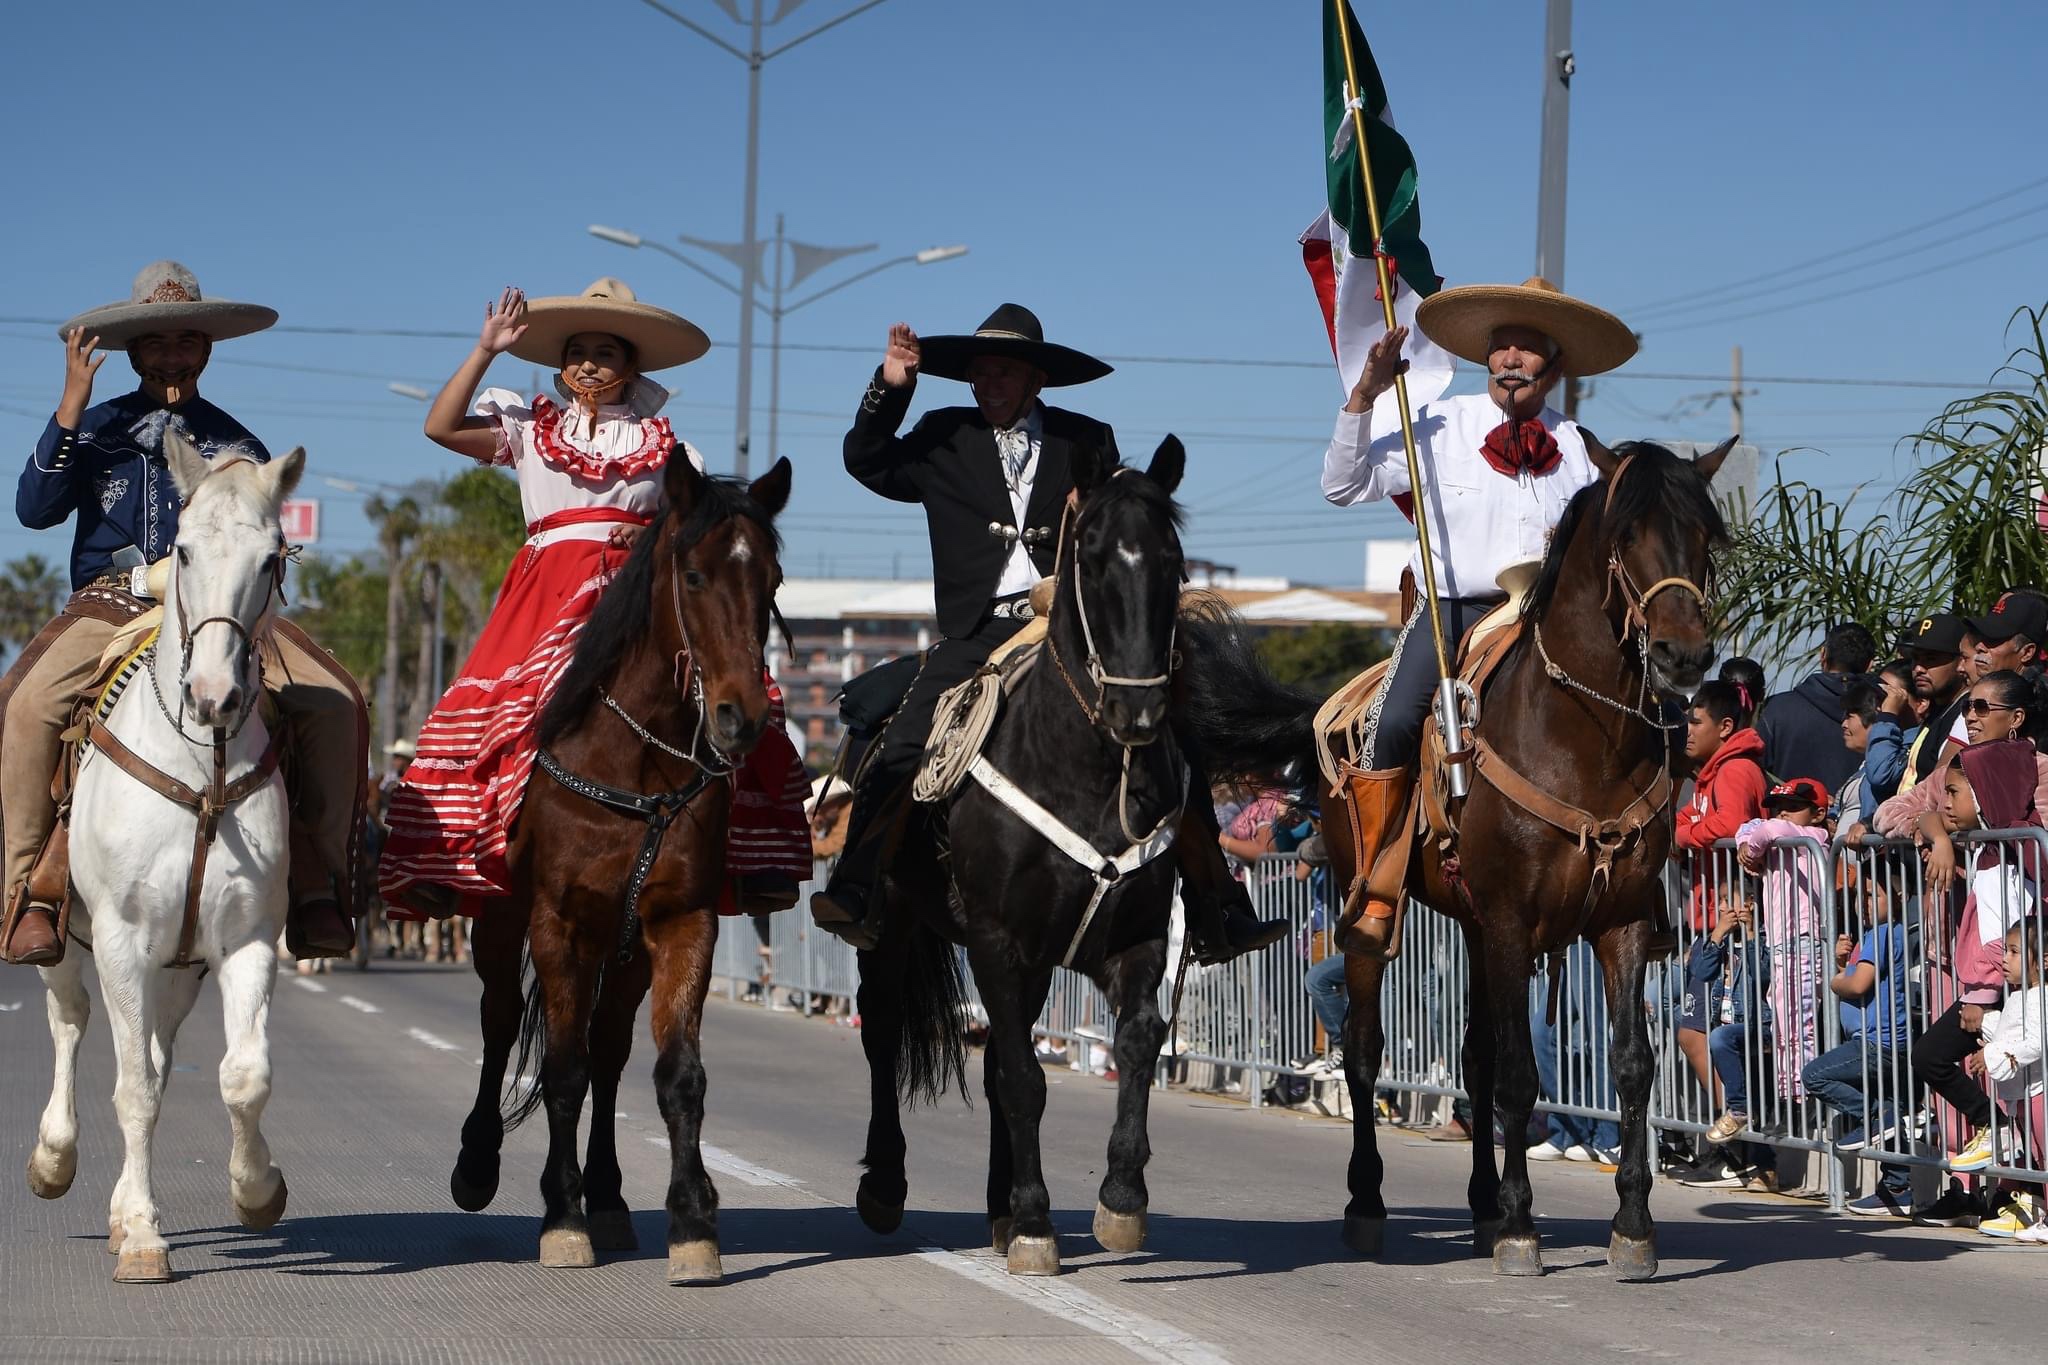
32 590
1967 524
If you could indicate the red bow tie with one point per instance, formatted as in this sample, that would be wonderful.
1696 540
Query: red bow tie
1514 448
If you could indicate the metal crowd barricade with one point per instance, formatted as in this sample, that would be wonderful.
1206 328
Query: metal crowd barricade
1767 1006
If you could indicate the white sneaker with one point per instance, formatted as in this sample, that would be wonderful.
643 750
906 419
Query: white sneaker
2037 1235
1550 1151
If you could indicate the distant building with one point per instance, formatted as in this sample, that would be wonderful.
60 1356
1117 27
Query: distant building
842 627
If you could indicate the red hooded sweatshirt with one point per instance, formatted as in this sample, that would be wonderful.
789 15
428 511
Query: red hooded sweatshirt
1728 792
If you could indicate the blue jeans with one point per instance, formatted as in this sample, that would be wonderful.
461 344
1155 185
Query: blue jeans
1327 996
1582 1015
1725 1047
1836 1079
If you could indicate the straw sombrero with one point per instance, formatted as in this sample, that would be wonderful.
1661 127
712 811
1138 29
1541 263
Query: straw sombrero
1463 321
660 338
1011 331
165 298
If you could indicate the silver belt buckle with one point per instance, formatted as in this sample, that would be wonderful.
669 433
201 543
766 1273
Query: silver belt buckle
1019 610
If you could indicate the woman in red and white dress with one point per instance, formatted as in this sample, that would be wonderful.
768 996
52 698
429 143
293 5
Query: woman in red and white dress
590 475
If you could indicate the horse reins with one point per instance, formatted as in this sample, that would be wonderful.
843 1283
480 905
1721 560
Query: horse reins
658 810
1106 871
210 803
1603 839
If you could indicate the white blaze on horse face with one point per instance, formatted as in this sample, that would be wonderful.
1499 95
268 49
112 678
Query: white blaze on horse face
1130 554
741 550
225 572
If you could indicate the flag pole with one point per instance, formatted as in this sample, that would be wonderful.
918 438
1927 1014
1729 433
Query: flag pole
1386 281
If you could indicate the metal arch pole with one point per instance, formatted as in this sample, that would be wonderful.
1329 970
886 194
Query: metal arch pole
750 266
775 354
1379 260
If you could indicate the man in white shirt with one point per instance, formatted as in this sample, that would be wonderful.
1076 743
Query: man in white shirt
1497 471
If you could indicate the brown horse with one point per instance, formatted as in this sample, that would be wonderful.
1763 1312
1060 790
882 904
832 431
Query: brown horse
1572 739
665 694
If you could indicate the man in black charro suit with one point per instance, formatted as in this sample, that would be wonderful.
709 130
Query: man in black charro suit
993 480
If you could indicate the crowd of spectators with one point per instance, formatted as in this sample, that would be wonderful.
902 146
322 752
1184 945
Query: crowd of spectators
1927 946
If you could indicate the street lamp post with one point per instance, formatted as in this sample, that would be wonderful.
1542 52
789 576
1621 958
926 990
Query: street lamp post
750 243
805 258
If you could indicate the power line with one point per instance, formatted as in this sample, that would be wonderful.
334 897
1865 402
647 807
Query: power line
1247 361
1915 250
1908 277
1947 217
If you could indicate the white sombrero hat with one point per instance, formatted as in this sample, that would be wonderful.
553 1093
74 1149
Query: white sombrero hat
660 339
166 298
1463 321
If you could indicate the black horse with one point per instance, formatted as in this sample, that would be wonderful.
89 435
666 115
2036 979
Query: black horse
1083 737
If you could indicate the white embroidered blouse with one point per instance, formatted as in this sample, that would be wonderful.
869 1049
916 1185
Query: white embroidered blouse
563 467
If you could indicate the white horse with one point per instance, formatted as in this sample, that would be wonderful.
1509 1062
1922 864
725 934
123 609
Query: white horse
190 715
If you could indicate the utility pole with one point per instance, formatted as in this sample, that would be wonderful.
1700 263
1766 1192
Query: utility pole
1735 395
1558 67
748 254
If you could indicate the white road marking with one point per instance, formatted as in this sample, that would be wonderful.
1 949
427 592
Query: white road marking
421 1036
307 983
10 1007
1147 1338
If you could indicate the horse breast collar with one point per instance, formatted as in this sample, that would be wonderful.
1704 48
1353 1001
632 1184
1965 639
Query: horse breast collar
1106 870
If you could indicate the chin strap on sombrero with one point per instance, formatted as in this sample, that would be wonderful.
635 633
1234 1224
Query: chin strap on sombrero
590 396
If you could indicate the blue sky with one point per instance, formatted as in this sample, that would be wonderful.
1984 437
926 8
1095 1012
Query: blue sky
1136 172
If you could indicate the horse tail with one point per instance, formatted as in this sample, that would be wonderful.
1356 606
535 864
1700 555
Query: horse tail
931 1044
1247 725
522 1087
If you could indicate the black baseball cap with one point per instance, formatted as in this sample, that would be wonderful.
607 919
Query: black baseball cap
2017 612
1939 634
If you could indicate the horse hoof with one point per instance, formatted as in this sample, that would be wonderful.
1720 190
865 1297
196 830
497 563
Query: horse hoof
1034 1256
264 1216
567 1249
1366 1236
999 1235
50 1173
149 1265
612 1230
1119 1231
694 1263
880 1217
1632 1258
471 1198
1484 1231
1521 1255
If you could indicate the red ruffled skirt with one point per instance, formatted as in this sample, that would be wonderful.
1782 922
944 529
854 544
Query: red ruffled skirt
452 816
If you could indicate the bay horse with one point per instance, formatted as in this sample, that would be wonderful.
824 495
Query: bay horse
1083 740
179 855
1564 834
617 863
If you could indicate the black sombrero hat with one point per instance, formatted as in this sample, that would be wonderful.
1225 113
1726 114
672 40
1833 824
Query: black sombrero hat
1011 331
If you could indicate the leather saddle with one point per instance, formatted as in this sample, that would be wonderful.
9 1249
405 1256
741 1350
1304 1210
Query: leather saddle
1342 722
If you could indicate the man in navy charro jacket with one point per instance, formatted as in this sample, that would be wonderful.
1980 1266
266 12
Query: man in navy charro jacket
104 467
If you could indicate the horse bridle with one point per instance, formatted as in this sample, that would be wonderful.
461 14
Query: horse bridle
1097 674
246 649
1635 621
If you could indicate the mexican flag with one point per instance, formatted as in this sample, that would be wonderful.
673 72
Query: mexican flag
1337 248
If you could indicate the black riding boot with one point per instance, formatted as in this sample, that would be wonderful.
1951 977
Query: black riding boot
842 907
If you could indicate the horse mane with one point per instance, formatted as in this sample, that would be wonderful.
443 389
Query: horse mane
1655 481
625 610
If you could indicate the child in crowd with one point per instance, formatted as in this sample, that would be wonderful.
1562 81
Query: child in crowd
1750 684
1864 1077
1734 976
2011 1061
1873 716
1788 849
1728 785
1990 786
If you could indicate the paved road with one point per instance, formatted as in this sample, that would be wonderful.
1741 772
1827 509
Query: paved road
1244 1263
